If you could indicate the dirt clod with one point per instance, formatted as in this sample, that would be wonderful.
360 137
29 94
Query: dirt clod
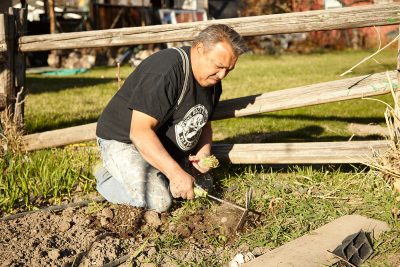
104 221
183 230
54 254
64 226
152 218
107 213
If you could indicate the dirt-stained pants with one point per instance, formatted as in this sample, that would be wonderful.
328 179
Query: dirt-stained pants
126 178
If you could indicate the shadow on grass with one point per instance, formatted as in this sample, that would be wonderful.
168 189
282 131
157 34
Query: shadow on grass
302 117
306 134
58 125
45 84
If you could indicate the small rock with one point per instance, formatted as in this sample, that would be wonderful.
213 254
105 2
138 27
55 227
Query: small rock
224 220
172 227
243 247
54 254
258 251
183 230
103 221
68 212
248 256
152 218
302 190
141 257
237 260
396 212
7 263
164 217
107 213
219 250
152 251
64 226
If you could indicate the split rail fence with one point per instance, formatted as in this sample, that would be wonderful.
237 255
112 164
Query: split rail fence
13 45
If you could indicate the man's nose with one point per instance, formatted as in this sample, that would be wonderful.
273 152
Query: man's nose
221 74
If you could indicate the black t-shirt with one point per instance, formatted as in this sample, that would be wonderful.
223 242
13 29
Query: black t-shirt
153 88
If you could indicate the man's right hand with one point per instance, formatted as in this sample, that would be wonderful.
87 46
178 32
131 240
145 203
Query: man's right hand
181 185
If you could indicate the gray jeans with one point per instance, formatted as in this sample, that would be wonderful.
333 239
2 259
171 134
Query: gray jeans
126 178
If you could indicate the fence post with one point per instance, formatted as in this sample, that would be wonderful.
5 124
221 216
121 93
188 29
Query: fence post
3 59
6 65
20 23
397 95
12 64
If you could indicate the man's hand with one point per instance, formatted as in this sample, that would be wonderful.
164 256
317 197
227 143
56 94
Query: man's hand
181 185
196 162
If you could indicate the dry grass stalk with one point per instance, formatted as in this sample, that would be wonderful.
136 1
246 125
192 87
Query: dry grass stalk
389 162
10 134
371 56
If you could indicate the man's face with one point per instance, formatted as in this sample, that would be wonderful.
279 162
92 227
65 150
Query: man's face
213 64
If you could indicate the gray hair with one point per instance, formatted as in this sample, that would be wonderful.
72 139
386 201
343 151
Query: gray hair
218 33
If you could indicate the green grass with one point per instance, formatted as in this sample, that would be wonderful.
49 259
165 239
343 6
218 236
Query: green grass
304 198
44 177
307 198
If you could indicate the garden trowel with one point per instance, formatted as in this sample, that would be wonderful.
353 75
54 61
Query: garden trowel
200 192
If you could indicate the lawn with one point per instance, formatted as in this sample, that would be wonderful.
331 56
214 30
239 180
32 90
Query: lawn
294 199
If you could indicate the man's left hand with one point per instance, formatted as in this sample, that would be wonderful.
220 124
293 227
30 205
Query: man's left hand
195 160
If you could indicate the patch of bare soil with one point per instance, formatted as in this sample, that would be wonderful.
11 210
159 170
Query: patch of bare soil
395 259
220 223
81 237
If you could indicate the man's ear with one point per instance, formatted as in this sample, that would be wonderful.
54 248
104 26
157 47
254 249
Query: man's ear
200 48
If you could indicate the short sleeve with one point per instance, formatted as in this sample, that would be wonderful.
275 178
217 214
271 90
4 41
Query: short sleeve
153 95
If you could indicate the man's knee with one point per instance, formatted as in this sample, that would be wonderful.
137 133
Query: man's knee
162 205
157 195
101 174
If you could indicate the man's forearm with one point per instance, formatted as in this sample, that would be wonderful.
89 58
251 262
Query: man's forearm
152 150
204 145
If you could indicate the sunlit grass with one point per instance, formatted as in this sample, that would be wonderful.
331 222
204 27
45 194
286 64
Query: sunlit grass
302 199
44 177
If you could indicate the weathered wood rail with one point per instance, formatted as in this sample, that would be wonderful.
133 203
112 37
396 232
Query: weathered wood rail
326 152
299 153
321 93
344 18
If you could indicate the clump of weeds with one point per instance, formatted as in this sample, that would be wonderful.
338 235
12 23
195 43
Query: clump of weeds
10 135
29 180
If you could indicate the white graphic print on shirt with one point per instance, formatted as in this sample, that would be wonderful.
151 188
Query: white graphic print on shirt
189 129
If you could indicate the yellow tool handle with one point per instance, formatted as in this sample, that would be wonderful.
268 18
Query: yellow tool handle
199 192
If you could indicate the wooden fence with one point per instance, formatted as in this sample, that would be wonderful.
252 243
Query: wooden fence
13 44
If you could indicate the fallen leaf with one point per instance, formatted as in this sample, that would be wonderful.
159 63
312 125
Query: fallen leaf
395 211
396 185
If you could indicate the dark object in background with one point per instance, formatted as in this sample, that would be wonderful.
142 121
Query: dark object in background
355 248
223 9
